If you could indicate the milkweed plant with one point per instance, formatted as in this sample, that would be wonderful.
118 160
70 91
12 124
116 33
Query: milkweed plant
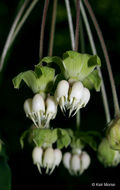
66 90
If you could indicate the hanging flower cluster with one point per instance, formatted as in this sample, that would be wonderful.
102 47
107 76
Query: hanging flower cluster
70 89
47 158
76 162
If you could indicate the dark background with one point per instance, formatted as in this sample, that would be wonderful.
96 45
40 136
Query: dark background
23 56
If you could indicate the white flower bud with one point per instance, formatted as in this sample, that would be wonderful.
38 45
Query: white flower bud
85 160
28 106
75 163
58 157
51 109
85 97
61 93
38 104
66 160
48 159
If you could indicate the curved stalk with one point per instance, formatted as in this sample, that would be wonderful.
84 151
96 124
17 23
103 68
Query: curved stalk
77 25
8 41
43 28
100 36
104 96
50 51
72 37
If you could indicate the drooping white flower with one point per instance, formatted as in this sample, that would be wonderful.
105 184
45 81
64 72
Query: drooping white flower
48 159
37 157
85 160
51 109
71 96
75 164
38 109
61 94
66 160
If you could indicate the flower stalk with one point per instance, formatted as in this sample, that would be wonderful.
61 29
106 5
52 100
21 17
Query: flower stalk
50 51
103 91
43 28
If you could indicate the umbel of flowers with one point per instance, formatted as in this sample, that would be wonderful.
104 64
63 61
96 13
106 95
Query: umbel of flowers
69 89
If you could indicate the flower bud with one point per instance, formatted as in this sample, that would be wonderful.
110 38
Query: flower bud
66 160
107 156
85 97
58 157
85 160
113 134
28 106
51 109
61 93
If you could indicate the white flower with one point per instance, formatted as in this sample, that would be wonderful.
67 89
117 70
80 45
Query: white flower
71 96
37 157
48 159
40 111
66 160
51 109
85 160
61 94
75 164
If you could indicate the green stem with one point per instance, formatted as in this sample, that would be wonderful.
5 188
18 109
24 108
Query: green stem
82 41
43 28
70 23
77 25
52 28
100 36
104 96
10 35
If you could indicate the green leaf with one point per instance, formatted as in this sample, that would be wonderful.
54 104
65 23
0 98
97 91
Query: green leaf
63 139
40 80
93 80
53 59
25 133
79 66
5 172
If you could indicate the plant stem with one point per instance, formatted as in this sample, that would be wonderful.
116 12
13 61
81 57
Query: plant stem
52 28
77 25
104 96
8 41
43 28
82 41
72 37
100 36
27 13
